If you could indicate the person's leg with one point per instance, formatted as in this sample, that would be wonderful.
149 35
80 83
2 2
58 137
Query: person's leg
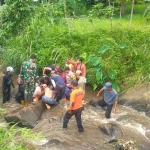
58 98
8 95
79 120
4 97
26 92
102 103
108 111
66 119
48 100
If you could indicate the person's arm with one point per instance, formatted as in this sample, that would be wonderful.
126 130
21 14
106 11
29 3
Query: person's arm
115 106
84 71
71 102
46 68
99 92
72 62
12 83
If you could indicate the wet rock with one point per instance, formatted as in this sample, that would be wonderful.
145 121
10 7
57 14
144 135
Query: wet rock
147 111
25 116
111 129
139 105
147 134
94 102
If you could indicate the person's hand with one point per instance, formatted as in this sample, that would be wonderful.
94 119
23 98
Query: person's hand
114 110
69 112
97 94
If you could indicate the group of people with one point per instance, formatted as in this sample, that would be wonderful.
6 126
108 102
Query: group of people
56 84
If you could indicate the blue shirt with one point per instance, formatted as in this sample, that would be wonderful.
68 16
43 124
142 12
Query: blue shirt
59 80
110 96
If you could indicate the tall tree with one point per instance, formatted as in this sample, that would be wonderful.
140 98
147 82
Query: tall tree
131 16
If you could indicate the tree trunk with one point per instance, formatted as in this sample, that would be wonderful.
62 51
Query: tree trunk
123 8
120 16
131 16
65 9
110 15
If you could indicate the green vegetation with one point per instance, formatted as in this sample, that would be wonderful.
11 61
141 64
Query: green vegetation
13 138
114 48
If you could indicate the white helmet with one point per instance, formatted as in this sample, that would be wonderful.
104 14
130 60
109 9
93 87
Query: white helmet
10 69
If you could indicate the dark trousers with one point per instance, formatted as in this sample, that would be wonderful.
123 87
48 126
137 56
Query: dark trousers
6 96
77 114
109 107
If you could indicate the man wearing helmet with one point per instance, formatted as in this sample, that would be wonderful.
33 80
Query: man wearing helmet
29 74
7 82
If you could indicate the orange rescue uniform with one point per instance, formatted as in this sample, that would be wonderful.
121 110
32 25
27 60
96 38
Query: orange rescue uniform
76 98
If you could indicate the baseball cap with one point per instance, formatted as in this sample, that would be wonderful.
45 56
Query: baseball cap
108 85
74 83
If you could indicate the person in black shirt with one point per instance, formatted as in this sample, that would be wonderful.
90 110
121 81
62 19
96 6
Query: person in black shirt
6 84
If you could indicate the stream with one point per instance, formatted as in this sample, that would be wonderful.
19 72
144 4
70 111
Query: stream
134 126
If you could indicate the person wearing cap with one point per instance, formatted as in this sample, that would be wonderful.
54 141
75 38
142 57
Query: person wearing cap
78 65
30 76
6 84
57 78
110 98
81 80
48 69
76 106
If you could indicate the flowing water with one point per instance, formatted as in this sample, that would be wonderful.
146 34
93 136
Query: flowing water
133 125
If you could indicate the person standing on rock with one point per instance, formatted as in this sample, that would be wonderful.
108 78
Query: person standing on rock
109 99
76 106
6 84
29 75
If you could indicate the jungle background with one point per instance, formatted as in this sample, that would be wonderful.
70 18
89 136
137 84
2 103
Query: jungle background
113 37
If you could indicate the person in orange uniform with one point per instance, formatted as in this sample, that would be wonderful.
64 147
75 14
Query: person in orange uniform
76 106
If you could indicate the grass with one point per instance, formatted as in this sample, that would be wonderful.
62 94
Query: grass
13 138
85 25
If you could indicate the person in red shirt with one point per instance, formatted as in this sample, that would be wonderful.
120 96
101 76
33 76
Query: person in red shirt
76 106
62 74
78 65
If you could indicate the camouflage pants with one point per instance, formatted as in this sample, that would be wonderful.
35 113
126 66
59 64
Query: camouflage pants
29 89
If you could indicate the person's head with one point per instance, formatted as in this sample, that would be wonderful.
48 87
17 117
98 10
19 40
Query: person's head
74 84
108 86
79 61
53 73
56 68
67 69
41 80
47 81
78 74
59 71
10 70
67 62
33 58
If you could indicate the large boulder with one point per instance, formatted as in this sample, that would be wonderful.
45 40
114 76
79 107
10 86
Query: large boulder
111 129
25 116
139 105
